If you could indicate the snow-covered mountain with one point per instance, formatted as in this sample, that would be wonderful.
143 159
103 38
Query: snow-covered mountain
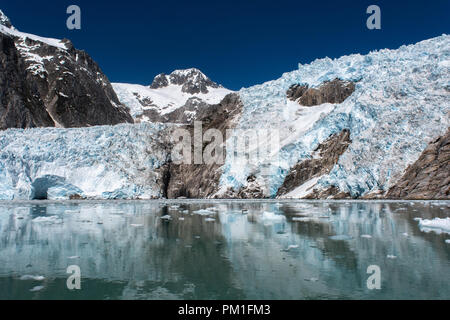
47 82
188 89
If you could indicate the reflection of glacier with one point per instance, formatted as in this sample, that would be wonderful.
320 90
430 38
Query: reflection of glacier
238 256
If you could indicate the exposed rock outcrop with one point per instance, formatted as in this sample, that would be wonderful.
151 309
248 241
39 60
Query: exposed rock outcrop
325 157
202 180
20 105
335 91
429 176
4 20
46 82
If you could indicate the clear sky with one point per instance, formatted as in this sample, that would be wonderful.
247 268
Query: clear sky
236 43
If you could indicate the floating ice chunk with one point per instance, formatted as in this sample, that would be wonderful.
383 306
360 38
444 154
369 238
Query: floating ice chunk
292 246
390 256
270 217
366 236
303 219
204 212
30 277
436 225
175 207
166 217
341 237
210 220
447 241
48 220
181 219
73 257
37 288
137 225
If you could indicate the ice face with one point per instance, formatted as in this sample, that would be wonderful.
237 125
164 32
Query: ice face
105 162
400 104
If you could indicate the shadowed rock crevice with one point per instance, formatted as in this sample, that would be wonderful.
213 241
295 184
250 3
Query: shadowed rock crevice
325 157
335 91
429 176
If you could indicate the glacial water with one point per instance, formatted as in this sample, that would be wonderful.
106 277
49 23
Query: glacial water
223 250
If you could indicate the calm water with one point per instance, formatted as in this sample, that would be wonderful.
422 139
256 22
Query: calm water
222 250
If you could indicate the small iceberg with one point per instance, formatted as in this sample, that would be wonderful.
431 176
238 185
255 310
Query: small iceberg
270 217
37 288
205 212
166 217
341 237
30 277
292 246
48 220
436 225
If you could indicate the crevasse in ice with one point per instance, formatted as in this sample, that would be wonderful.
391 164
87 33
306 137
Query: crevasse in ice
401 103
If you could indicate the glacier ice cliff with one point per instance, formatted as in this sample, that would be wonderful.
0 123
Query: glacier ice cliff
400 104
104 162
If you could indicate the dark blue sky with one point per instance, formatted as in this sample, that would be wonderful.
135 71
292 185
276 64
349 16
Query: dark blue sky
236 43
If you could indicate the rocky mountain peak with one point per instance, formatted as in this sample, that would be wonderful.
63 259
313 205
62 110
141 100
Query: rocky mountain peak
192 80
4 20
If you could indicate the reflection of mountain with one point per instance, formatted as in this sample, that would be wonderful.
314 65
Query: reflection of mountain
126 251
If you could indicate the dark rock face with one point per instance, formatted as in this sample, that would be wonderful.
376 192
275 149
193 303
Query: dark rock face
327 156
20 105
335 91
160 81
429 176
43 85
202 180
193 81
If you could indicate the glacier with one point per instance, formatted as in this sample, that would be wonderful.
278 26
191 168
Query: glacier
400 104
104 162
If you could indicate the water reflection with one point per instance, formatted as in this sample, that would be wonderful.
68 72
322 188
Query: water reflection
223 250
